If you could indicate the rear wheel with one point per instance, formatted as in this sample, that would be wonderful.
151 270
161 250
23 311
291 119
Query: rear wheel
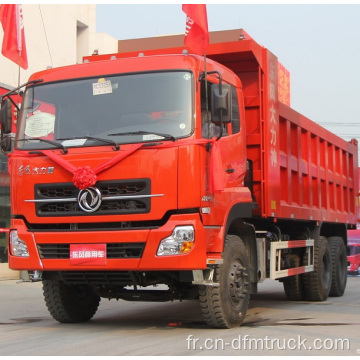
293 285
339 266
70 304
225 306
317 283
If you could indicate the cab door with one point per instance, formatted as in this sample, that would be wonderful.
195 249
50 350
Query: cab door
230 166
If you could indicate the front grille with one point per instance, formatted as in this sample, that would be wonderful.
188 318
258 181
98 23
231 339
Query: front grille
54 251
114 206
65 198
113 251
97 226
124 250
57 192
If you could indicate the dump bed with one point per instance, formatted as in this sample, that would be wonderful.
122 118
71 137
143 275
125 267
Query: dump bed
300 170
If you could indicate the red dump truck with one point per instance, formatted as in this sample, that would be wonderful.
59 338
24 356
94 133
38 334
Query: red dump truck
137 169
353 252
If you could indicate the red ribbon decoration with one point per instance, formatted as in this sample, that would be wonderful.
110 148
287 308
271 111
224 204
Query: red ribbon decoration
85 177
217 179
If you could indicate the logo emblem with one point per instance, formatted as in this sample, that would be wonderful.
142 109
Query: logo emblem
89 199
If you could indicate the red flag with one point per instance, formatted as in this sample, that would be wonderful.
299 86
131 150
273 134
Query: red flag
13 46
196 31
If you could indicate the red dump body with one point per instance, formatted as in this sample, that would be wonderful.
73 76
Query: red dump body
300 170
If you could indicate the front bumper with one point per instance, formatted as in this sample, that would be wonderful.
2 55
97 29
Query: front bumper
148 261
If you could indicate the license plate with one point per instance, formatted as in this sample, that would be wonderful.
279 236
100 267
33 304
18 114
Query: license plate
88 254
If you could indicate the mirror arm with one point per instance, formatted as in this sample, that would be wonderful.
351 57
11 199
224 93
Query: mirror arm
14 103
13 91
202 76
19 87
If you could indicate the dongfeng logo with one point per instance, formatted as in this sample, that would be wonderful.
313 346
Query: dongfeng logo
89 199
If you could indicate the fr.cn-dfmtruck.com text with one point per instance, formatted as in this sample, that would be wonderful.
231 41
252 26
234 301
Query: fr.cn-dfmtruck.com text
245 342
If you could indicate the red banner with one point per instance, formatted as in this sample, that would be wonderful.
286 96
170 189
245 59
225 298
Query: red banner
196 31
13 46
283 85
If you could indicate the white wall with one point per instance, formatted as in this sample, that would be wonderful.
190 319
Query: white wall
70 34
104 43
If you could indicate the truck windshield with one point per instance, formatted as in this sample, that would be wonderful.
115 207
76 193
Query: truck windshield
137 107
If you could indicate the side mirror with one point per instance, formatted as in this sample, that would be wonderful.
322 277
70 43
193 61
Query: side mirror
6 143
220 103
6 116
6 122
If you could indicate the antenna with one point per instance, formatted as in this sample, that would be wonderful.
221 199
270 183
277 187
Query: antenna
47 42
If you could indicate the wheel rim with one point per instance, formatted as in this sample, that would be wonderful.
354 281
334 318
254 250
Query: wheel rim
237 283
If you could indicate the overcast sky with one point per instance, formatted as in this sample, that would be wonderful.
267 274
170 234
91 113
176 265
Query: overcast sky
318 44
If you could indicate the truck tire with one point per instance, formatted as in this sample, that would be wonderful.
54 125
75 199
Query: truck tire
317 283
338 265
70 304
225 306
293 285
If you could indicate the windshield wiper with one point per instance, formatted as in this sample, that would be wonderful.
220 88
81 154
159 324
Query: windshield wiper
56 144
107 141
141 132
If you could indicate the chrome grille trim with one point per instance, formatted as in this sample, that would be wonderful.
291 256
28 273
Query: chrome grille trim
126 197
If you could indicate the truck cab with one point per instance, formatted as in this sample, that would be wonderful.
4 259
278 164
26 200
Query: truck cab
159 120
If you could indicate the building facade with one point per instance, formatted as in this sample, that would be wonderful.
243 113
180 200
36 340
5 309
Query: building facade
56 35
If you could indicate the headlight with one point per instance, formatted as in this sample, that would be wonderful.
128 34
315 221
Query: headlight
18 247
181 241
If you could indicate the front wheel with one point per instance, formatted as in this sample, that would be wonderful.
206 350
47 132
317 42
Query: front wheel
70 304
225 306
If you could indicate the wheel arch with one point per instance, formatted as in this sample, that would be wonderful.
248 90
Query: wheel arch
334 230
236 225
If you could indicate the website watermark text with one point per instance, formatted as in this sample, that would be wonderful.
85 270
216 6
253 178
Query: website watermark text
245 342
